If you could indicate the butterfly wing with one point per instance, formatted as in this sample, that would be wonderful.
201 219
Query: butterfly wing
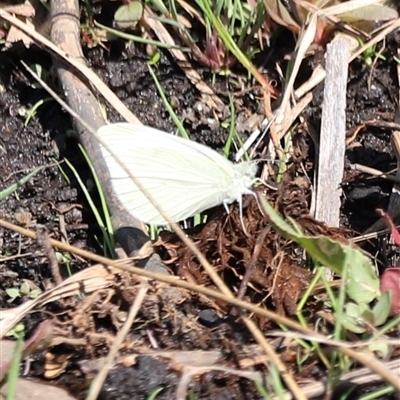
183 176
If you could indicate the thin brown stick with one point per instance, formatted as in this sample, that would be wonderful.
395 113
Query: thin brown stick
42 237
98 381
374 172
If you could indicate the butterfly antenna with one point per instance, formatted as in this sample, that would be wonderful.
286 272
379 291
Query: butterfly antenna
226 207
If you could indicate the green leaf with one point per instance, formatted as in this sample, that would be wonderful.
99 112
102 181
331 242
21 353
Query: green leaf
128 15
17 331
24 289
351 318
366 313
155 58
34 293
362 284
13 293
382 347
356 314
381 309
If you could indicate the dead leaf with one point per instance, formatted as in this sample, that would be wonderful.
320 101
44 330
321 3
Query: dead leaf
390 281
15 35
23 10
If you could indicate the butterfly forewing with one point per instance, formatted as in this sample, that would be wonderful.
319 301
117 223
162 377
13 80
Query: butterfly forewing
184 177
138 137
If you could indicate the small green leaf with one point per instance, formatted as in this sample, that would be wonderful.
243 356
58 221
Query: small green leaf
380 347
352 318
24 289
13 293
17 331
62 258
381 309
362 284
34 293
155 58
366 313
128 15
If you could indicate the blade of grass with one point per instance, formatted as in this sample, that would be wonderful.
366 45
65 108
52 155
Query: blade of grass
388 327
107 236
167 105
139 39
378 394
249 30
15 186
34 108
13 373
233 133
65 176
103 200
228 144
231 45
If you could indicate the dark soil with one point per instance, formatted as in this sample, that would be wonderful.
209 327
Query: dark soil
188 322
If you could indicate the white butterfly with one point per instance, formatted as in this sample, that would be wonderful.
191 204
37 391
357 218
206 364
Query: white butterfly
184 177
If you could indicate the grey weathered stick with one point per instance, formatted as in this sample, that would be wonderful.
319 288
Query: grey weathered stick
333 133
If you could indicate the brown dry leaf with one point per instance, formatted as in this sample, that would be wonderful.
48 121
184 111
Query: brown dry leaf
278 12
15 35
23 10
90 279
55 365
